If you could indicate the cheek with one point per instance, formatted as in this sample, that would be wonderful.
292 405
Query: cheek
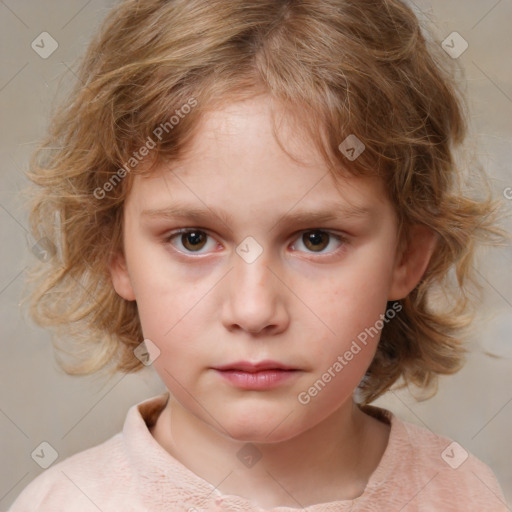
352 299
348 308
166 293
170 313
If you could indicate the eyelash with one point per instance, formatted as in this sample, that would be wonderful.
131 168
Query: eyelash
342 239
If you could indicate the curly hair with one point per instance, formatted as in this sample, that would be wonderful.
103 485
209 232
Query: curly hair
343 67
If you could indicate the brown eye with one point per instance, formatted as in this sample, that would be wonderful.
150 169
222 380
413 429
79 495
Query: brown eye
193 240
316 240
319 241
189 240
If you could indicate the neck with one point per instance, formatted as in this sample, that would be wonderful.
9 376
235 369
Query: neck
331 461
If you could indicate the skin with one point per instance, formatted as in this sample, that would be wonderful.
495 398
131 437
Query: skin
298 303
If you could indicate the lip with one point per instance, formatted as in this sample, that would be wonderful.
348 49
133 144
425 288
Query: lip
247 366
259 380
256 376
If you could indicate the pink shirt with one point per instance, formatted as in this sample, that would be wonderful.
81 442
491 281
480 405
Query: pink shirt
131 472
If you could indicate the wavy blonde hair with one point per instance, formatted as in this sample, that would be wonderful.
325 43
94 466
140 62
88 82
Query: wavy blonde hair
341 67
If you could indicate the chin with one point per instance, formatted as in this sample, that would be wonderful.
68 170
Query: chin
258 426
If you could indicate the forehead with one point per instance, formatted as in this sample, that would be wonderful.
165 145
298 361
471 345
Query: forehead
255 155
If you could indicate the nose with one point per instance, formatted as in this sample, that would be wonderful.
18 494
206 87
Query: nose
255 298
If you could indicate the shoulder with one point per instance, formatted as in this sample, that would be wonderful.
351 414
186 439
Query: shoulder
104 477
427 471
440 453
81 480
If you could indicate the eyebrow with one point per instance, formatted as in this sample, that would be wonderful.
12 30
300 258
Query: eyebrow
329 212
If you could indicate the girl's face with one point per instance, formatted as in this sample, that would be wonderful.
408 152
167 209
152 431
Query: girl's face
276 262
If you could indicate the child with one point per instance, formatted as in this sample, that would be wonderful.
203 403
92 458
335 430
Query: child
264 191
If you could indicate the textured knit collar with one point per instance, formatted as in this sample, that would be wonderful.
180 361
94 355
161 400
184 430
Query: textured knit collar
162 480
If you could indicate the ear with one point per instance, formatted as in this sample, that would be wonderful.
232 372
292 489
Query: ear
412 261
120 276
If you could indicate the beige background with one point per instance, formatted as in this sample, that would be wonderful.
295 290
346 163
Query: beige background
38 403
